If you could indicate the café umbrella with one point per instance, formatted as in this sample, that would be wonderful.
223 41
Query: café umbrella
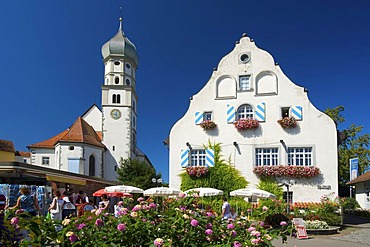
124 189
162 191
204 191
111 194
253 193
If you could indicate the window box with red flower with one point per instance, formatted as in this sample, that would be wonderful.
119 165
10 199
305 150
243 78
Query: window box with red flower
246 123
288 122
289 171
197 171
208 125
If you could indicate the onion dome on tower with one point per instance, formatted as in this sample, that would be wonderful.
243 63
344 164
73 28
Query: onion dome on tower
120 46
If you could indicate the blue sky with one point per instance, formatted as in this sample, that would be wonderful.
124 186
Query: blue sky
51 68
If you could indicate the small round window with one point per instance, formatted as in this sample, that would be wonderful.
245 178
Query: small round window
117 63
128 83
245 58
128 66
71 148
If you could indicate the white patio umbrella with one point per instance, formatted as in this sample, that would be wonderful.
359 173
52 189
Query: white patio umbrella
252 193
203 191
124 189
162 191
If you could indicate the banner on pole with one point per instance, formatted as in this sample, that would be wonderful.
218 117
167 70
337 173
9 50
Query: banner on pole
353 168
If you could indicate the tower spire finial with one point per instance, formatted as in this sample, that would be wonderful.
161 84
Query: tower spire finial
120 19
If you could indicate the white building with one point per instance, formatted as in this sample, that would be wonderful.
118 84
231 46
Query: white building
100 138
248 84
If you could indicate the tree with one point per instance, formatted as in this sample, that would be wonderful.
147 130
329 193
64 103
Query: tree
136 173
351 144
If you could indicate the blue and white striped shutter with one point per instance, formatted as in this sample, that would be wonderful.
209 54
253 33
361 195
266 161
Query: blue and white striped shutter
296 112
230 114
184 158
210 157
198 117
261 112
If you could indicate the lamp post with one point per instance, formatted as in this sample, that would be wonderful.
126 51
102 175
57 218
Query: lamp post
157 181
287 184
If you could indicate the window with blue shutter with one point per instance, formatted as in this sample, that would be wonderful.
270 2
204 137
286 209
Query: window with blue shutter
260 112
230 114
184 158
296 112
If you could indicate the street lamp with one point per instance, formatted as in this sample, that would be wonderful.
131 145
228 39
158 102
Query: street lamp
157 181
287 184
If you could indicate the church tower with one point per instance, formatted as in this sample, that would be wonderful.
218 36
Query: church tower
119 101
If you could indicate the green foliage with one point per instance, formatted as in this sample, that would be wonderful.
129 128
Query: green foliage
271 185
355 145
350 203
136 173
222 176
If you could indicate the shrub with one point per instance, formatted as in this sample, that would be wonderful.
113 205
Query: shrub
271 185
316 224
350 203
275 219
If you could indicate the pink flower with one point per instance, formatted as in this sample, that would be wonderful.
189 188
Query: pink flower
264 208
152 205
99 222
80 226
89 218
120 203
237 244
209 226
209 232
140 199
283 223
255 241
194 223
121 227
255 233
233 233
250 229
230 226
158 242
14 221
19 211
73 238
209 214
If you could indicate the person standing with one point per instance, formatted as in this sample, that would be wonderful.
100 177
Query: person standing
225 209
55 208
27 202
104 204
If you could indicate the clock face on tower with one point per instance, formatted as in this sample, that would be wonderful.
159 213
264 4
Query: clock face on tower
115 114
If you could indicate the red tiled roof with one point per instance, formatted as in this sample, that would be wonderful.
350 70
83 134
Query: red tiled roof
363 178
24 154
80 132
7 146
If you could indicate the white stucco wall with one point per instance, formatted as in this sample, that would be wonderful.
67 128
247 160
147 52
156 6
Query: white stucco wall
316 129
38 153
362 191
94 118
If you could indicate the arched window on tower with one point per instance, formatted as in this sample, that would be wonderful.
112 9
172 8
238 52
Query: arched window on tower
114 98
118 98
92 165
116 80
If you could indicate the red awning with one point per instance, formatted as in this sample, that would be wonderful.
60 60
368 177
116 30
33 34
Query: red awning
111 194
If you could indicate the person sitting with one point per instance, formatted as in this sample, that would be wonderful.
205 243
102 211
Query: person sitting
27 202
233 214
68 209
81 198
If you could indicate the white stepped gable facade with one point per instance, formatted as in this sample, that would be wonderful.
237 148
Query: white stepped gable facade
247 84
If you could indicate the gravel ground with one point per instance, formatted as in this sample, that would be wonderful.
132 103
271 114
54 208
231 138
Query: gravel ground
358 236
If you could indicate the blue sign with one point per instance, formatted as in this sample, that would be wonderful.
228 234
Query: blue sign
353 168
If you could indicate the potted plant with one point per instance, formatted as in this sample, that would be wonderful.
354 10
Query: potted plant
289 171
288 122
208 125
246 123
